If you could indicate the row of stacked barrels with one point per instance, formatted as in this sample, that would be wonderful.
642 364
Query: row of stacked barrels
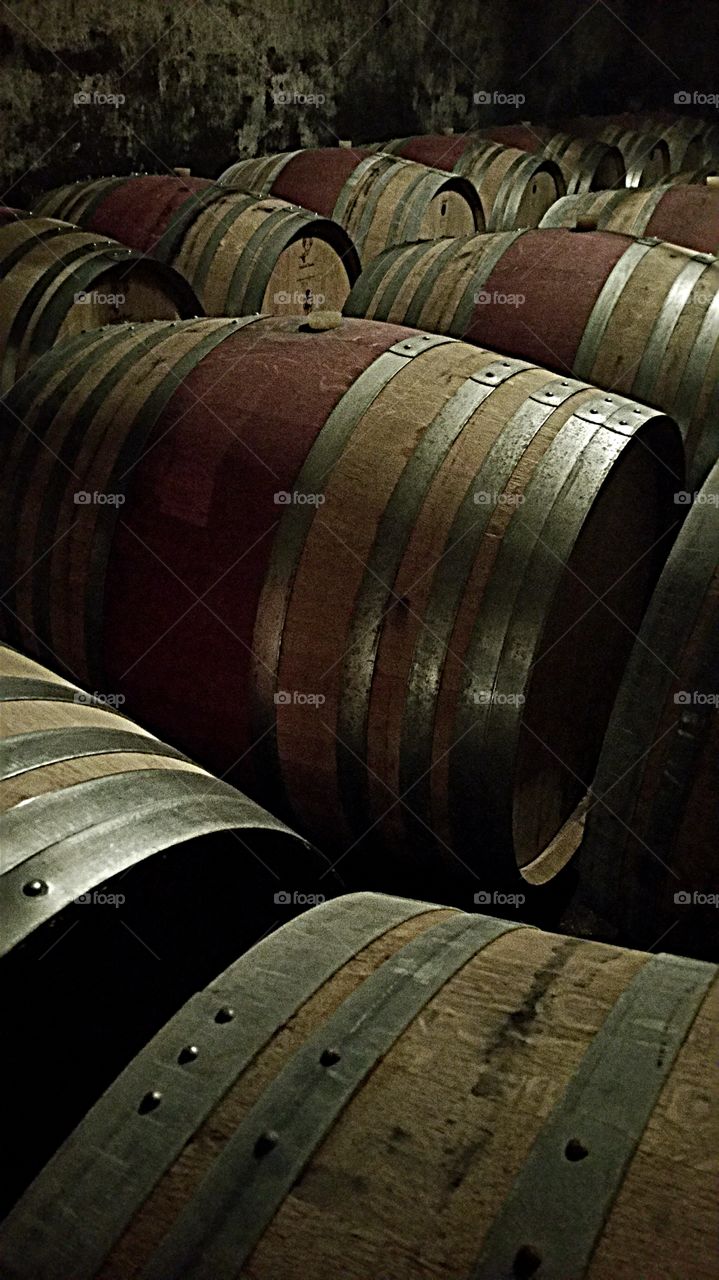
365 569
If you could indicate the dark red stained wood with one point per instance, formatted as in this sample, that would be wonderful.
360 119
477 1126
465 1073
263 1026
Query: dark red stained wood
315 178
691 213
138 212
7 214
514 135
437 149
560 273
200 499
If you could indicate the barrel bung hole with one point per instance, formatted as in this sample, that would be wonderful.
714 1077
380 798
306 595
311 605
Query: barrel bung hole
575 1150
527 1262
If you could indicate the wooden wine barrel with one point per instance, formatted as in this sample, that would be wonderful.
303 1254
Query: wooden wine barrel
128 872
56 281
645 155
653 827
515 188
636 315
586 165
685 215
705 174
404 1091
384 582
241 254
380 200
686 146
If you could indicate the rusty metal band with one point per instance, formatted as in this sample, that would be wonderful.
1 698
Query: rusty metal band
602 311
222 225
29 688
364 292
685 403
217 1231
91 262
91 197
427 282
352 190
248 282
487 259
23 752
289 541
410 209
148 339
376 598
561 1200
118 1154
511 192
71 840
625 759
536 546
19 400
184 215
450 579
266 180
675 301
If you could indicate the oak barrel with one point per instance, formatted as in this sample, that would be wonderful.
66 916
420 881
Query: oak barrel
241 254
649 860
405 1092
380 200
686 215
56 281
128 875
515 188
586 165
633 315
358 568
